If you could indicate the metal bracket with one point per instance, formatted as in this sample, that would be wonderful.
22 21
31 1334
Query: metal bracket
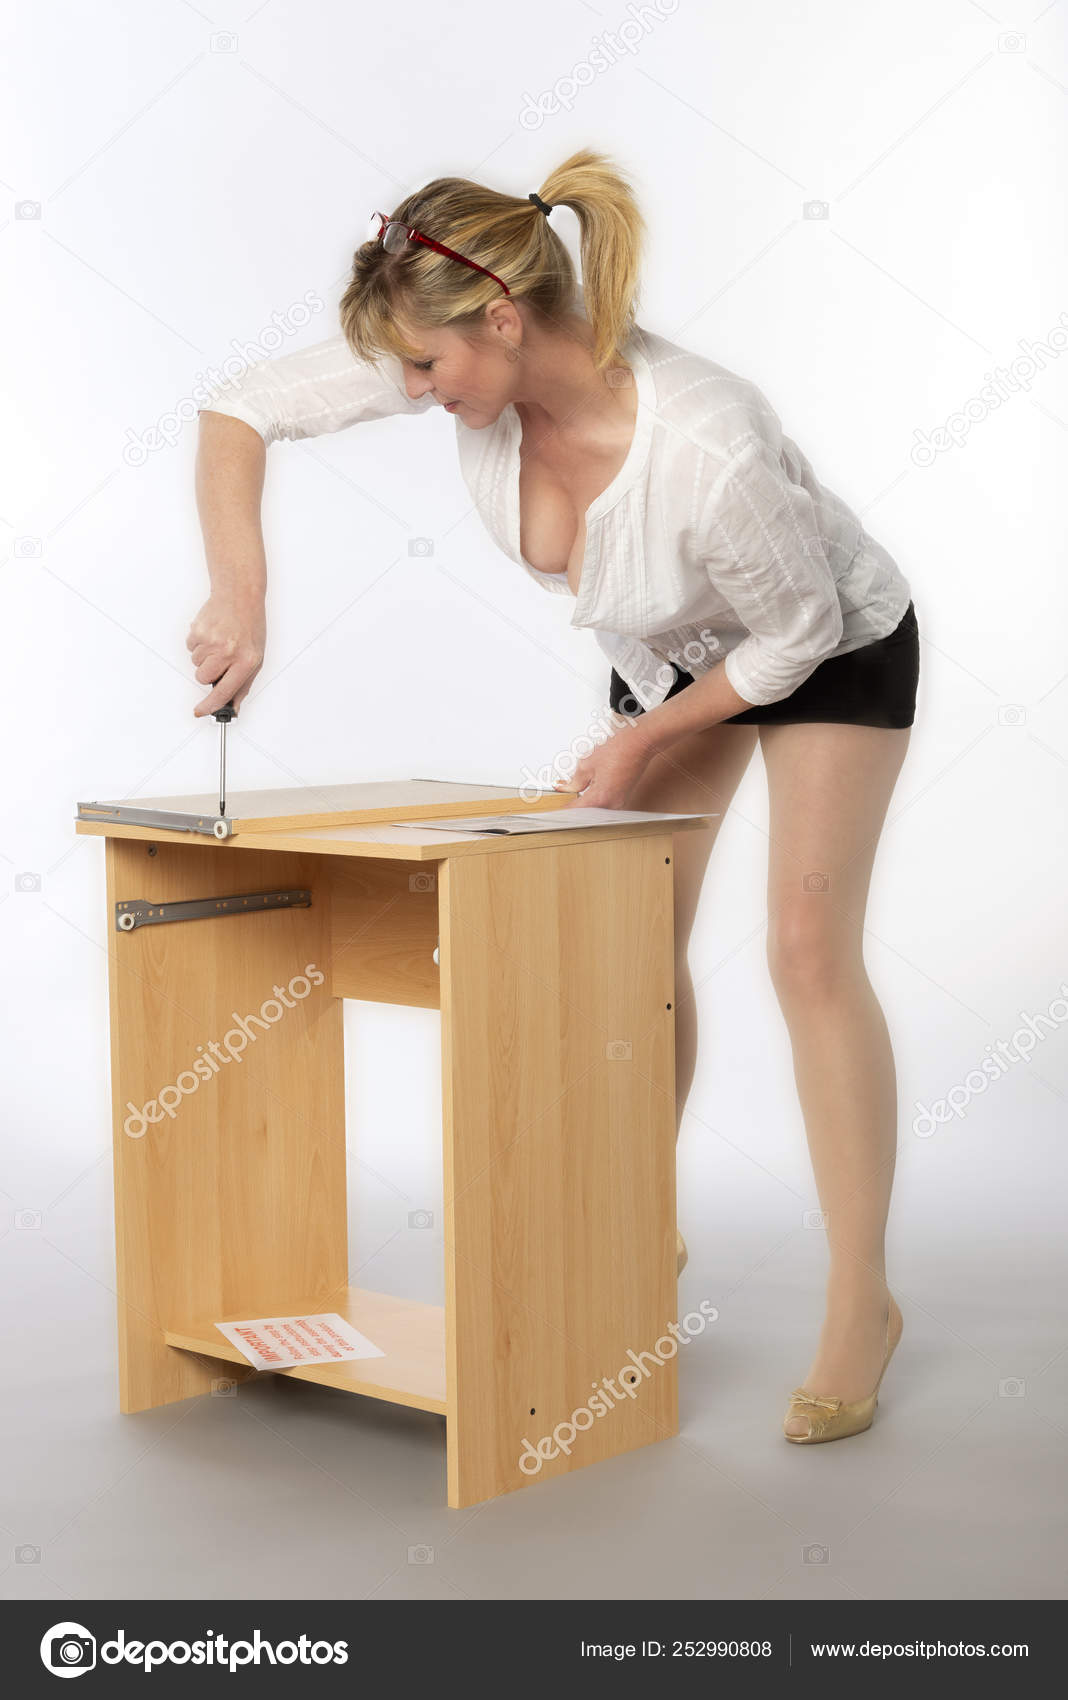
125 814
138 912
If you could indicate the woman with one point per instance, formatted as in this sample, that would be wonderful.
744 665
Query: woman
729 588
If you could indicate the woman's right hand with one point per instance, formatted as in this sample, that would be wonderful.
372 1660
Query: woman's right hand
226 642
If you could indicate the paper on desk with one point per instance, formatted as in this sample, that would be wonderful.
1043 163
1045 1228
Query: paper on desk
284 1342
545 820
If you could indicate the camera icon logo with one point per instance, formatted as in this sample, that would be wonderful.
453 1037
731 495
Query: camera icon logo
817 209
814 881
28 549
27 882
420 546
68 1649
420 1218
27 209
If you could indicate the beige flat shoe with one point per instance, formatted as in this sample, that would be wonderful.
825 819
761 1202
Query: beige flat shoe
836 1419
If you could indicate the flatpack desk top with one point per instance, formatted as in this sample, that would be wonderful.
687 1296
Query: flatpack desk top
352 820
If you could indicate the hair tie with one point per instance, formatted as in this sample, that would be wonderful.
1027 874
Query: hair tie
540 204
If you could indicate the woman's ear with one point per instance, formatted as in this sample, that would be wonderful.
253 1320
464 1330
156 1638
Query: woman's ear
504 320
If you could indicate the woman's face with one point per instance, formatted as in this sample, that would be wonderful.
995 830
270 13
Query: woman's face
473 380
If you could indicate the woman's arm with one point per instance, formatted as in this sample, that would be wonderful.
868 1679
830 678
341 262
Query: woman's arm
710 699
605 778
307 393
226 639
762 549
764 552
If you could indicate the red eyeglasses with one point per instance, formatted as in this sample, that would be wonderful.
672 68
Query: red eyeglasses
393 235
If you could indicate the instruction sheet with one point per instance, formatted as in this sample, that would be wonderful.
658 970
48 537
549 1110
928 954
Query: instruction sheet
285 1342
557 820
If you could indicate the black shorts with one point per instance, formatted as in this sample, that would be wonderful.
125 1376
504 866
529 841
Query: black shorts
874 685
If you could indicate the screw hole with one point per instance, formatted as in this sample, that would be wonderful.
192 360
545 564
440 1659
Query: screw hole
532 1411
153 849
667 1006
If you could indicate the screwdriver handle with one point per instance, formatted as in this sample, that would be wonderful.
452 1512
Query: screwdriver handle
227 712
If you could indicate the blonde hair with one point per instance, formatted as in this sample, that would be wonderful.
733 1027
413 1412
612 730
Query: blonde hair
510 236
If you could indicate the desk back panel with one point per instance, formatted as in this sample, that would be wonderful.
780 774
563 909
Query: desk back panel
384 931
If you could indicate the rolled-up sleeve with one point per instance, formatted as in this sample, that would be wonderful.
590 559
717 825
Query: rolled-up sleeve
313 391
763 551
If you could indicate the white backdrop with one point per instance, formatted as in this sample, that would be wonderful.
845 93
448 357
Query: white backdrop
860 209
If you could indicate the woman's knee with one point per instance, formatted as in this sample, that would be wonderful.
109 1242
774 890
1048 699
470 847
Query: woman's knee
811 953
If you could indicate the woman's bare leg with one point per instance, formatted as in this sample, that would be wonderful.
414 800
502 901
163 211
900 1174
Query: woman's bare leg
829 789
698 774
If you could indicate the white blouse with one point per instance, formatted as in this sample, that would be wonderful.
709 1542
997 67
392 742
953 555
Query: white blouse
714 541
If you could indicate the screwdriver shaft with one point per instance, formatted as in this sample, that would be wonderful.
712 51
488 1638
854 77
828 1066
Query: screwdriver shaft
223 715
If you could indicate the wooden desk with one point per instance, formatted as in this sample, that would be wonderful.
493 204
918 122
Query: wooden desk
551 959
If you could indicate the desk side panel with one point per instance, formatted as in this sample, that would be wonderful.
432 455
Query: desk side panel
235 1197
557 993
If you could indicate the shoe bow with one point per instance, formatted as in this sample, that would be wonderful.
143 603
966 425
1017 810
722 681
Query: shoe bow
831 1405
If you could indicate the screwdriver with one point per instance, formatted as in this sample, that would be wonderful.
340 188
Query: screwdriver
224 716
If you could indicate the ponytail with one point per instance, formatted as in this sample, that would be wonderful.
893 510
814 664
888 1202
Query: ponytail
611 236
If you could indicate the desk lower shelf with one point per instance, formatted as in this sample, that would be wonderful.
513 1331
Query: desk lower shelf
412 1336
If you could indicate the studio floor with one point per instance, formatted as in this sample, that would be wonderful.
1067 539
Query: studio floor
288 1490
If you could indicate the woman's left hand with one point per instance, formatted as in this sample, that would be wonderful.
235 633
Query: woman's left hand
609 773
